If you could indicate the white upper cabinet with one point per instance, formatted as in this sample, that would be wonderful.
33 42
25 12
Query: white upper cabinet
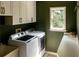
5 8
15 12
31 11
28 11
22 12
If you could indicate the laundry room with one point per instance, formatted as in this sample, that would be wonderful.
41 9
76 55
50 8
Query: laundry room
39 28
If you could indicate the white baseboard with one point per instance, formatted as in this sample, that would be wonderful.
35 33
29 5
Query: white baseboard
53 53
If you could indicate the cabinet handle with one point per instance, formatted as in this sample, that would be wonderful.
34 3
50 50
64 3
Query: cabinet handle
20 20
3 10
31 19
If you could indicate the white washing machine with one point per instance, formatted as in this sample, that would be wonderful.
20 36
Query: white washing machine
28 44
41 36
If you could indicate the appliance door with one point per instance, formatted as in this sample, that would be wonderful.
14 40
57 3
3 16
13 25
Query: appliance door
42 42
33 48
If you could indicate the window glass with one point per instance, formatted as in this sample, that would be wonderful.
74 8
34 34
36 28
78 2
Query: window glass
58 18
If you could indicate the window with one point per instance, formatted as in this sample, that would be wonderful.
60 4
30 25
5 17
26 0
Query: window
58 18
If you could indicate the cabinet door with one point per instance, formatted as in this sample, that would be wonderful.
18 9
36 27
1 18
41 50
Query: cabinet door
5 7
30 11
16 5
33 11
23 13
27 11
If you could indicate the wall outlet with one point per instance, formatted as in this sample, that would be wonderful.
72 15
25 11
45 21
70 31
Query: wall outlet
18 30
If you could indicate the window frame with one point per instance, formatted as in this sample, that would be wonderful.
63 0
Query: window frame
51 23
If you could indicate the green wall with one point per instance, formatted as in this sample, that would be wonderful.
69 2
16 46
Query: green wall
53 39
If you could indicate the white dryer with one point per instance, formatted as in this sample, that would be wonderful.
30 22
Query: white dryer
41 36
